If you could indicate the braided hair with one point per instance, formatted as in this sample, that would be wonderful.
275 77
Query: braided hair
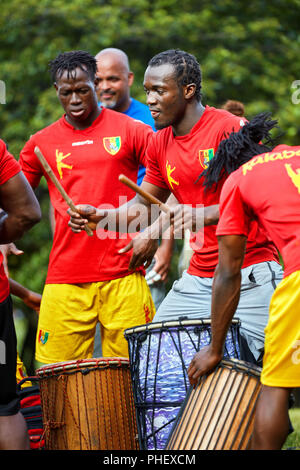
238 148
187 69
70 61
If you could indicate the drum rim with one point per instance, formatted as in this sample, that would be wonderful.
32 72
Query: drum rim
170 323
241 365
93 362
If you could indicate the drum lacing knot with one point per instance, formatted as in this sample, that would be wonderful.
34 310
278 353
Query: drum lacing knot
50 425
54 424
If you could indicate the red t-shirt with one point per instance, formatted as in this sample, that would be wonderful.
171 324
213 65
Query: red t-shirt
87 163
176 162
9 167
266 188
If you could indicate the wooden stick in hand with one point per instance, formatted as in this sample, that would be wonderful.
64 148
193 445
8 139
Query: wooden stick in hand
57 184
128 182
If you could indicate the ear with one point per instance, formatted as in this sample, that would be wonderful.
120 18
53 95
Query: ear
189 91
55 86
96 81
130 78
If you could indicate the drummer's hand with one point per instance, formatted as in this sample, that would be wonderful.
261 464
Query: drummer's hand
85 215
6 250
143 251
33 300
202 363
185 218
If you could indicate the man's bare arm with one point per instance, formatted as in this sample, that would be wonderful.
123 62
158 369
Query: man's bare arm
20 206
225 298
124 217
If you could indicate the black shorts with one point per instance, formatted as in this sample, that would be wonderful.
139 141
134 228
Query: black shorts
9 398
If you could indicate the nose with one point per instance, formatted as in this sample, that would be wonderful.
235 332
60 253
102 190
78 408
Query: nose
104 85
75 98
151 98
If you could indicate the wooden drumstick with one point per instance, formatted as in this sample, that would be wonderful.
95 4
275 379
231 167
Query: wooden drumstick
128 182
57 184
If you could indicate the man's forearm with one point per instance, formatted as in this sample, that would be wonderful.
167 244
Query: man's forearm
131 217
211 215
225 299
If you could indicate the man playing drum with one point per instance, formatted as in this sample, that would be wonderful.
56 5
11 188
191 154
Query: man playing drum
188 137
87 280
275 204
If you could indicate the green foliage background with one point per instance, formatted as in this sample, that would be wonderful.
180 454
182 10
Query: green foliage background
248 51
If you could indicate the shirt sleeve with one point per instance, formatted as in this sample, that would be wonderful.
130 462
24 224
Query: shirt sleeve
153 171
235 216
9 166
30 164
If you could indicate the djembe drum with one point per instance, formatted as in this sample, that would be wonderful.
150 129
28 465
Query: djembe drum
160 354
88 405
218 414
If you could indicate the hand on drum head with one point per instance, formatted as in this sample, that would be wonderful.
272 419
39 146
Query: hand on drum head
202 363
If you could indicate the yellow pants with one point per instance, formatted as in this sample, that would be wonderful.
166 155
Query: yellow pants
281 363
69 314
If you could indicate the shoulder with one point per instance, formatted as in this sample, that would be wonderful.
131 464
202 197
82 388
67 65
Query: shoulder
109 115
223 119
3 148
232 183
140 111
48 130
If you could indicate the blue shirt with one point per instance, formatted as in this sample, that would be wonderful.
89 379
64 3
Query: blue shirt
140 111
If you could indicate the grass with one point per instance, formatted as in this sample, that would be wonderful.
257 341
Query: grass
293 440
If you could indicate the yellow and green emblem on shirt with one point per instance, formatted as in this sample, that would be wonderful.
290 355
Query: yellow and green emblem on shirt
112 144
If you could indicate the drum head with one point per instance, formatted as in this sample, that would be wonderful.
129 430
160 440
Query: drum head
80 364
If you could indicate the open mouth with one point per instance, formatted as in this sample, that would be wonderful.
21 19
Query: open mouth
77 113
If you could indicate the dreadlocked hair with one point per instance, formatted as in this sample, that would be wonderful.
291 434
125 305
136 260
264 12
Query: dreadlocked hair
187 69
238 148
69 61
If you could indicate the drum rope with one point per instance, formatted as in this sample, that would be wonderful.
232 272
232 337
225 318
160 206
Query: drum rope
49 422
102 409
108 414
97 410
86 408
70 407
140 417
124 415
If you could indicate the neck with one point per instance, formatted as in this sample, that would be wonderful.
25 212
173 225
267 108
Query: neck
81 125
192 115
124 106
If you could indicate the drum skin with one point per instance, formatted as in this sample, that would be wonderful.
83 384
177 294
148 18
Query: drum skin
218 413
88 405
